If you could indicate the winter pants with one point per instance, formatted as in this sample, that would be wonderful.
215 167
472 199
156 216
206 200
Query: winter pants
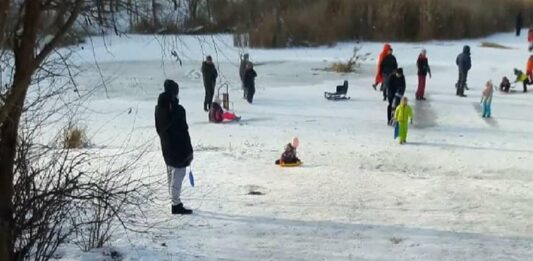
228 116
175 178
486 109
403 131
209 93
250 91
385 85
461 83
390 110
526 83
421 86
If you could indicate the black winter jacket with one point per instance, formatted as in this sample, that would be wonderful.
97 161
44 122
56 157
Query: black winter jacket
172 128
463 60
396 87
389 64
210 74
423 66
249 78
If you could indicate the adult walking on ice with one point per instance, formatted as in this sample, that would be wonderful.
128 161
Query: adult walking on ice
379 74
387 67
423 70
464 64
396 89
210 74
249 82
519 23
172 128
245 60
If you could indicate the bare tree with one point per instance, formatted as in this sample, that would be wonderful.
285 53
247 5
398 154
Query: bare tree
26 38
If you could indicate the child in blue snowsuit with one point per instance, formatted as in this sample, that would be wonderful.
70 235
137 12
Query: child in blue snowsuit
486 99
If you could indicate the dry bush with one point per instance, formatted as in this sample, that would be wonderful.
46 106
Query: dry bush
75 137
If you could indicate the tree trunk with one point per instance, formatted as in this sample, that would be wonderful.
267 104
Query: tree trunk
24 69
155 14
4 11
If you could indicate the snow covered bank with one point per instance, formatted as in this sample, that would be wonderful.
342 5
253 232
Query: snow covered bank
461 189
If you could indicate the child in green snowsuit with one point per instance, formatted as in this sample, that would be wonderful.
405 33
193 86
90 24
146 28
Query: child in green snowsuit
403 114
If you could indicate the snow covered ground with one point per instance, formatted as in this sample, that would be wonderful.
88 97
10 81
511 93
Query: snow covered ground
461 189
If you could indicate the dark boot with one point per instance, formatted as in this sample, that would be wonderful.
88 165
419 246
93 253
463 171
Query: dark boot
180 210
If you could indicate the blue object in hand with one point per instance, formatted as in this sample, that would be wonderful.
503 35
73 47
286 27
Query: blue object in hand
191 178
396 130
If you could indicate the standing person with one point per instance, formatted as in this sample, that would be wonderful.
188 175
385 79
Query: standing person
249 82
379 73
486 99
388 66
242 69
210 74
172 128
519 23
396 89
423 70
402 115
529 72
464 64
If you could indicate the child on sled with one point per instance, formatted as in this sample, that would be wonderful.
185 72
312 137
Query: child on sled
289 155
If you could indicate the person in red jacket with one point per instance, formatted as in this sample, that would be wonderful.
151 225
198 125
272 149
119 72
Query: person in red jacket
529 73
379 73
530 39
423 70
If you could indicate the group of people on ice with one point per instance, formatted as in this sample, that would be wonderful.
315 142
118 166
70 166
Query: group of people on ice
212 104
172 128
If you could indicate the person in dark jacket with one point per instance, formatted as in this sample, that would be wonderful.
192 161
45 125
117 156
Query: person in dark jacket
519 23
242 69
464 63
395 92
387 67
210 74
423 70
249 82
171 126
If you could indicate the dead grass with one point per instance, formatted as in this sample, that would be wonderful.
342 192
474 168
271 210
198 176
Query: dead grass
75 138
494 45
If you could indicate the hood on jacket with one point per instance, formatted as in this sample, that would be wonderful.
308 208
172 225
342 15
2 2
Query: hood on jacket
164 100
466 49
386 48
171 87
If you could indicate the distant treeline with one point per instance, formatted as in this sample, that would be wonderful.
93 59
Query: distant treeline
281 23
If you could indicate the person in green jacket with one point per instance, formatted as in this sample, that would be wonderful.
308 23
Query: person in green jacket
403 115
522 77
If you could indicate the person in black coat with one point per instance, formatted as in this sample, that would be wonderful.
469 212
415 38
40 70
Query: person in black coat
171 126
395 91
464 64
210 74
249 82
519 23
388 66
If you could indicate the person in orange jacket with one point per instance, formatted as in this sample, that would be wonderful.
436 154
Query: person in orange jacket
379 73
529 72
